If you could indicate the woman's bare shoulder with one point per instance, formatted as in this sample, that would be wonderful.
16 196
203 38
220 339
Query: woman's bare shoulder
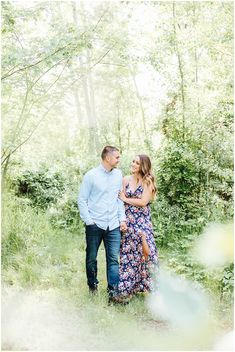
125 180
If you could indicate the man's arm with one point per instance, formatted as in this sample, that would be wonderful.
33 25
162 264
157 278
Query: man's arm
121 208
121 211
83 196
138 202
122 216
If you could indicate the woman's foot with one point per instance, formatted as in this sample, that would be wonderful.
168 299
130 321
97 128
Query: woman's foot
118 300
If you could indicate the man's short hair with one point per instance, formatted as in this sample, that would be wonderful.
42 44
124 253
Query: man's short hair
108 149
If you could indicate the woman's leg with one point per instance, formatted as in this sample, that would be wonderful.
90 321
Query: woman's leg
145 246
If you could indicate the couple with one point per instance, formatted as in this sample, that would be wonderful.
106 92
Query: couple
110 205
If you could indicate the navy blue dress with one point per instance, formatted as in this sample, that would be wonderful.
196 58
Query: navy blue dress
136 273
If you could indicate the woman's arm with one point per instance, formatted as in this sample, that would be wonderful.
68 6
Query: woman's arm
138 202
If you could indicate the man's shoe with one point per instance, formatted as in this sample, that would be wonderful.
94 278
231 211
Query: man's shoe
93 290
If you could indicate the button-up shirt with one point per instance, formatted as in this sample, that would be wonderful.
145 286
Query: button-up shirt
98 200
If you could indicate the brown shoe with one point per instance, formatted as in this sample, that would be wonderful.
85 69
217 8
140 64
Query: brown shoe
118 300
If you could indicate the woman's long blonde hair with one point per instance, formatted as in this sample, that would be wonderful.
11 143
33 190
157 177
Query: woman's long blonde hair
146 172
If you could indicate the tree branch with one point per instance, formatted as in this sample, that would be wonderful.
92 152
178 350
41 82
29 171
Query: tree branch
32 132
21 127
92 29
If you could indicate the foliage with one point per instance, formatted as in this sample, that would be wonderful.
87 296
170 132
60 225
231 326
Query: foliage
217 283
227 283
194 179
53 259
148 77
65 215
42 187
33 251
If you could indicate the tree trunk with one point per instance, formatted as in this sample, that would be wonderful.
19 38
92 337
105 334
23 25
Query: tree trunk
128 138
196 61
119 127
88 89
140 102
4 172
78 106
92 101
180 65
88 95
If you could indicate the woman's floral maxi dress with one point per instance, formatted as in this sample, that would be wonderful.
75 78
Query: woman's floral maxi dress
136 274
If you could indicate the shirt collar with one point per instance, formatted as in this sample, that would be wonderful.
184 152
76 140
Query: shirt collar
101 167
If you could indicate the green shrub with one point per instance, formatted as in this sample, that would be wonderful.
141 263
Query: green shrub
194 179
65 214
42 187
227 283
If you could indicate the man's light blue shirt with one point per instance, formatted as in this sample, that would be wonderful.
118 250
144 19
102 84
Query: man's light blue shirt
98 200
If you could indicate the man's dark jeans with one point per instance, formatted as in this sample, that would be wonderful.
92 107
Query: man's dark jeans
112 240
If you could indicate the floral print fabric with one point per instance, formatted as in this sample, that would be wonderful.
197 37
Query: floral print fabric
136 273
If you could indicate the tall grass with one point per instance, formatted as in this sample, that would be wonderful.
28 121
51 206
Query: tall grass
38 257
33 252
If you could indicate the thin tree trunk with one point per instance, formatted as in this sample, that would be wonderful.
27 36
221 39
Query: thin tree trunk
75 89
140 102
91 88
182 89
78 106
88 95
196 61
92 101
128 138
119 128
4 172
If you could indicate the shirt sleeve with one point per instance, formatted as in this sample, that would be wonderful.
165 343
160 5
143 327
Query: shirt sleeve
121 211
83 196
121 208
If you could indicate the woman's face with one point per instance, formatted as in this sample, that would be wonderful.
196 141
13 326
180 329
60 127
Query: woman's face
135 165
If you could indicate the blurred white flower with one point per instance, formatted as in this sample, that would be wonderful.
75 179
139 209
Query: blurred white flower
178 302
225 343
215 246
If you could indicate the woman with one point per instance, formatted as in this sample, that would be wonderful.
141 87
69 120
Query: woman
138 253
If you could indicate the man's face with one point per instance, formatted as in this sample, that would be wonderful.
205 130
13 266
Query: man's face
113 158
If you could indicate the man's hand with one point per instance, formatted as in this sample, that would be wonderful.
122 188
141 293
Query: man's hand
122 196
123 227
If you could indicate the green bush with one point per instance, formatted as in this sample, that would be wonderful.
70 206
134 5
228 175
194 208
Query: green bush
194 177
42 187
227 283
65 214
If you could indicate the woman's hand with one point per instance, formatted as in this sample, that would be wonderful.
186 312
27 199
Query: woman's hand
122 196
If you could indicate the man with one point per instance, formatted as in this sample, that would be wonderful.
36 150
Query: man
104 215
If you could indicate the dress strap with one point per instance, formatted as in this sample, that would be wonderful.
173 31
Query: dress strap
126 182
